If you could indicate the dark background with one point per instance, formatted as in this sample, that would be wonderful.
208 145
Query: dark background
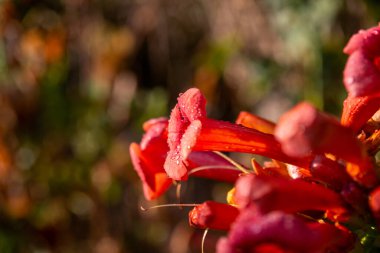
78 78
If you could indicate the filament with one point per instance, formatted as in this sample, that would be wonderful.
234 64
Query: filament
212 167
203 239
178 191
167 205
238 166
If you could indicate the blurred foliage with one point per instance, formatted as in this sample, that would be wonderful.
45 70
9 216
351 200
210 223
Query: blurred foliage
78 78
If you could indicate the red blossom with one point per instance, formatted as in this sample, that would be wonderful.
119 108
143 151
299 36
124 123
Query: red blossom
148 159
322 177
305 131
188 132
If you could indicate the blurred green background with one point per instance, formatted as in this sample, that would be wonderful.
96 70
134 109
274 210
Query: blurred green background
78 78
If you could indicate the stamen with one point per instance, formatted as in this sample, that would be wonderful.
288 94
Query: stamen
178 191
168 205
241 168
256 169
212 167
203 239
307 217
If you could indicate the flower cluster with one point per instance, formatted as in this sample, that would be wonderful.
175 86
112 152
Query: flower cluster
320 192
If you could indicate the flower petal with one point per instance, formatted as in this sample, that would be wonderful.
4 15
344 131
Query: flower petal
368 40
153 177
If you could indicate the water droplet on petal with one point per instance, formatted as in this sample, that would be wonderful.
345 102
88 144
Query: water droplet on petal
349 80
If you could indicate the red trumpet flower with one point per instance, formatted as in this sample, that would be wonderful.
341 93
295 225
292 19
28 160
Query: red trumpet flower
319 191
148 159
304 131
189 129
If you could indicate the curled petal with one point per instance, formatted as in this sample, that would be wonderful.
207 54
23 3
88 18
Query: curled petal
153 177
154 139
304 130
191 106
213 215
367 40
155 122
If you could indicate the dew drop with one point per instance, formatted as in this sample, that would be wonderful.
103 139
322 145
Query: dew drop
350 80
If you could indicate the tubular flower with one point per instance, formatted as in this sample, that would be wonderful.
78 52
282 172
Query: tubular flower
189 129
319 191
304 130
290 232
148 159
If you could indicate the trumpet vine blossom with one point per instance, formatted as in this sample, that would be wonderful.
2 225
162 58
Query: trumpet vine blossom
319 189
